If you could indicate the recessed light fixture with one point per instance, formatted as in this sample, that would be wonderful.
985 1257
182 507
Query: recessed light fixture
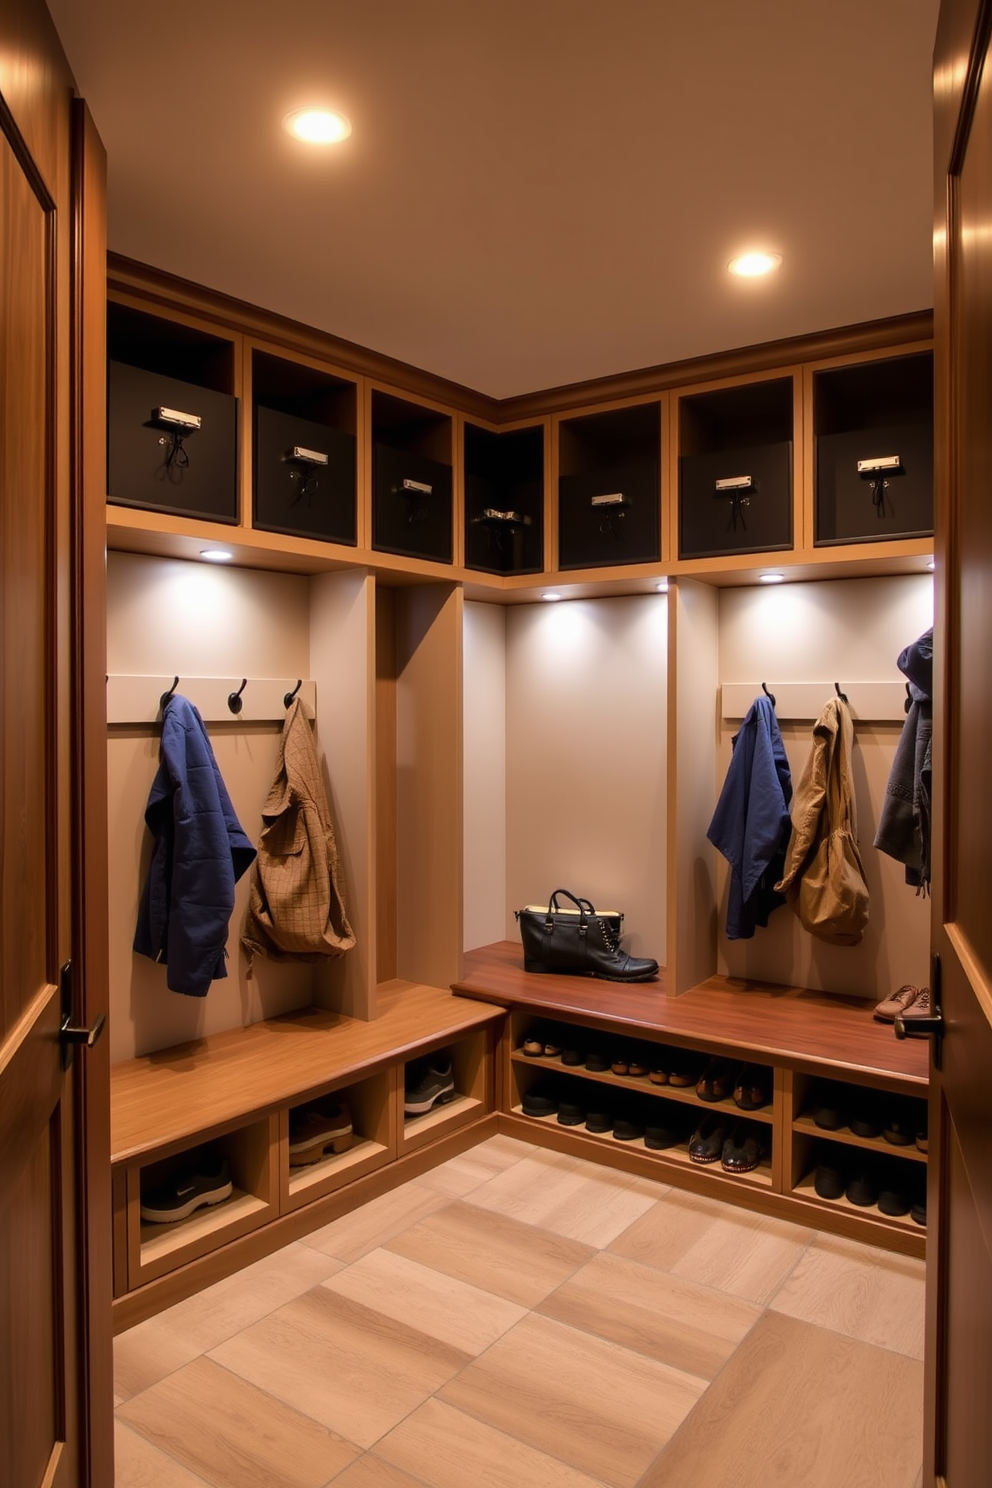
551 596
317 126
753 265
931 564
662 586
771 578
216 555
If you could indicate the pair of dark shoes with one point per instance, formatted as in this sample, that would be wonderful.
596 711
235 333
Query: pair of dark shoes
899 1124
749 1084
866 1185
739 1145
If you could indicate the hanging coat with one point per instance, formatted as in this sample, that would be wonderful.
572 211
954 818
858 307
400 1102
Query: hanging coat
824 878
904 822
199 853
751 822
295 904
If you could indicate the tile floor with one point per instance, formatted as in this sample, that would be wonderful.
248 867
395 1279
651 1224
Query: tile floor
521 1319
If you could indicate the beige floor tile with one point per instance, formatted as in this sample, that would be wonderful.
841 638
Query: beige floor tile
137 1464
745 1254
448 1449
514 1260
234 1435
594 1405
153 1349
665 1317
461 1315
460 1175
801 1407
371 1472
569 1196
374 1223
859 1290
346 1366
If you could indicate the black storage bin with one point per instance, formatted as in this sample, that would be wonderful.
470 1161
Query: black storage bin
294 492
595 531
504 500
609 488
156 463
756 518
411 504
874 411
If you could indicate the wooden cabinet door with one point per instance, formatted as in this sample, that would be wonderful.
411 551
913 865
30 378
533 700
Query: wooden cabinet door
55 1398
958 1446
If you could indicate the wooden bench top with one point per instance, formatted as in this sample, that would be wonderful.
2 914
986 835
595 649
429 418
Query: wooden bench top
785 1025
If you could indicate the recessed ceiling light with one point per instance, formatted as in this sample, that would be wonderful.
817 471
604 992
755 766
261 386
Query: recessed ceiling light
662 586
216 555
317 126
931 564
771 578
551 596
751 265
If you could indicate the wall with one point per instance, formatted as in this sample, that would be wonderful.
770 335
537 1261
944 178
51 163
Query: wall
586 720
485 773
848 631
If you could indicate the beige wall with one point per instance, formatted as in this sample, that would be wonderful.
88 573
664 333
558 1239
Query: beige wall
585 759
848 631
485 773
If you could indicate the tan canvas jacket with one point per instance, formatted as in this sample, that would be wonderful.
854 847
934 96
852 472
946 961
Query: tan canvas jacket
296 905
824 878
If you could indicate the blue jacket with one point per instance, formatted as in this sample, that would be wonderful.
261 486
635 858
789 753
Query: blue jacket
198 856
751 823
904 821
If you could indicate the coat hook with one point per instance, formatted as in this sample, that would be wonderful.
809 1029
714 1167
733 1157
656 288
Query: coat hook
769 695
909 700
291 695
164 699
841 695
234 699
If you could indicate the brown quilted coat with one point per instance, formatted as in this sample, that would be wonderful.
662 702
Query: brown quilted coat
296 906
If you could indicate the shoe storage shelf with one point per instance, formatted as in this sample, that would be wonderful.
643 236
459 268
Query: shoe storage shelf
234 1104
818 1057
302 453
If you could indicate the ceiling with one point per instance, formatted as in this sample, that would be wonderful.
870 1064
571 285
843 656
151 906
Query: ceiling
535 192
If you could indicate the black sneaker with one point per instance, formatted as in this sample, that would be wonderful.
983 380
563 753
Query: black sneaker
435 1086
187 1192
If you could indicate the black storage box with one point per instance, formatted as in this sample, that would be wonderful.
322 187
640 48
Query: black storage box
594 532
155 463
411 505
755 519
296 494
504 500
849 510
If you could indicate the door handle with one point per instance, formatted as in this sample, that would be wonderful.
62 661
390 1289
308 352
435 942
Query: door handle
71 1034
931 1027
87 1036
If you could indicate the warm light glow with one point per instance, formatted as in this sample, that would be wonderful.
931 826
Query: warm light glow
771 578
551 596
216 555
931 564
662 586
751 265
317 126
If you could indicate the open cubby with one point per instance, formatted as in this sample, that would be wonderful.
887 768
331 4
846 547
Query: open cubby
472 1076
504 500
874 410
609 488
369 1147
411 479
305 452
742 435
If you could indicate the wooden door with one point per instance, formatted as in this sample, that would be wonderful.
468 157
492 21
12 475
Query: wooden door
55 1398
958 1443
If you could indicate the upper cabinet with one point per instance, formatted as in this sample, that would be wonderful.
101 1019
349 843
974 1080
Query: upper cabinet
813 456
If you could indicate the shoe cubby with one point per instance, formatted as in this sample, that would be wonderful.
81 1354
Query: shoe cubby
172 417
155 1248
472 1095
504 499
336 1160
736 469
873 429
411 479
304 450
609 488
885 1189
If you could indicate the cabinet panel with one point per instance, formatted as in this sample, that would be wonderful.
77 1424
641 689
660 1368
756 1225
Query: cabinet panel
609 500
504 500
304 478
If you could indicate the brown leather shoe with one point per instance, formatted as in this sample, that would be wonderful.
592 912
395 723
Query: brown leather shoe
890 1008
920 1008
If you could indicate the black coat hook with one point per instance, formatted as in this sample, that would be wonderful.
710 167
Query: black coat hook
909 700
769 695
841 695
234 699
289 696
164 699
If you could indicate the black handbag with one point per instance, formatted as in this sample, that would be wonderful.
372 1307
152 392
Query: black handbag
555 939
